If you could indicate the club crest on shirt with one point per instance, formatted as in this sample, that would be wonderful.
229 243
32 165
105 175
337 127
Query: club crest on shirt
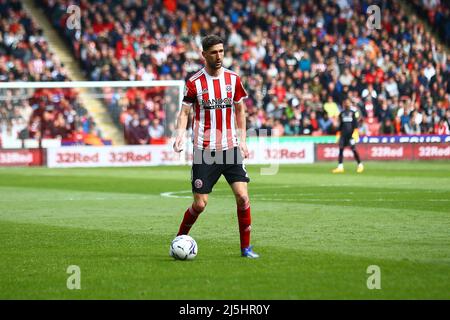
228 88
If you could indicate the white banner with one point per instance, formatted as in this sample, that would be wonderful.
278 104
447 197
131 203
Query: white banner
273 152
153 155
112 156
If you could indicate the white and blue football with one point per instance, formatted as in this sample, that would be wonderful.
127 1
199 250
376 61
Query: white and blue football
183 247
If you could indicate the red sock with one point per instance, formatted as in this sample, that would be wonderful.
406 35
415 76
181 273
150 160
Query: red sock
189 219
245 221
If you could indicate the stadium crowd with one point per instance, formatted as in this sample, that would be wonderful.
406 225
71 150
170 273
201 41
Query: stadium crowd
298 60
40 113
437 14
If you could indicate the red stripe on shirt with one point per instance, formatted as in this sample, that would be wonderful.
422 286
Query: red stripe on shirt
207 122
218 94
228 115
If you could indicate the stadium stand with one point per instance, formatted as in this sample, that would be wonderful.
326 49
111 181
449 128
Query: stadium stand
41 113
437 14
298 59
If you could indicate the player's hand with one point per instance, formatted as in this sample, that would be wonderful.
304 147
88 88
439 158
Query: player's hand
355 135
244 150
178 144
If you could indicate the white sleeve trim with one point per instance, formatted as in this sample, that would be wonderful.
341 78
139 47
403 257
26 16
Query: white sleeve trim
245 97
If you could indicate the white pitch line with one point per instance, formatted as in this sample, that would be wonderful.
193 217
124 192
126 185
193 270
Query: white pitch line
350 200
81 199
174 194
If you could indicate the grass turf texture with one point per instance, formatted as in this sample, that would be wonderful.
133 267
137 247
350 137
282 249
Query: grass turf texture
316 232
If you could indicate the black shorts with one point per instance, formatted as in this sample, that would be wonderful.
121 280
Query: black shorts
209 165
346 140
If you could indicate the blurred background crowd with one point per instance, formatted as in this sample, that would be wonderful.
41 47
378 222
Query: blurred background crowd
299 60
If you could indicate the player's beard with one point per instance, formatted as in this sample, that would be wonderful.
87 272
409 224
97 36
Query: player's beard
215 65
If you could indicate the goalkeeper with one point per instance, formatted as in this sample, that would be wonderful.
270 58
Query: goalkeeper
347 134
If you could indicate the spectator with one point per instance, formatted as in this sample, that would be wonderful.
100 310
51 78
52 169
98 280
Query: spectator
278 129
387 127
405 122
140 134
331 108
92 138
292 128
392 88
442 127
306 126
156 130
326 125
346 78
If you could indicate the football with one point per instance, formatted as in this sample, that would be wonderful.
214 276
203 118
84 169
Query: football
183 247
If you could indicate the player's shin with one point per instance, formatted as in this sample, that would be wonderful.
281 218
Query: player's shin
190 216
245 221
341 156
356 155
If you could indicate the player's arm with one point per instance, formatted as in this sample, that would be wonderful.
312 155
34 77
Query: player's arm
355 120
355 133
241 125
339 128
240 108
182 120
341 123
183 116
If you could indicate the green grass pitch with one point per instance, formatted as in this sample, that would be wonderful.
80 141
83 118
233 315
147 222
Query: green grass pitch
317 233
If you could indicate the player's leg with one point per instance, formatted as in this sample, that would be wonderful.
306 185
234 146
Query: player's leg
243 211
244 217
340 167
203 178
360 168
192 213
237 177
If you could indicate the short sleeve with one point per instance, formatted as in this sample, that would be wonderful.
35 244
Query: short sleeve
239 92
189 93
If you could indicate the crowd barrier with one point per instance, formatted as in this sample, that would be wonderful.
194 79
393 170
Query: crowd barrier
387 151
22 157
154 155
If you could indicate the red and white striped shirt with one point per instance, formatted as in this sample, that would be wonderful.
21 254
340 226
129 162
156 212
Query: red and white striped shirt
213 98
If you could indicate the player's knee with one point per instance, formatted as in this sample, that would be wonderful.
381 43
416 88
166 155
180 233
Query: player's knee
199 205
242 201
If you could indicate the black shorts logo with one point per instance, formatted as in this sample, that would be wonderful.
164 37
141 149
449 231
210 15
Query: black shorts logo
198 183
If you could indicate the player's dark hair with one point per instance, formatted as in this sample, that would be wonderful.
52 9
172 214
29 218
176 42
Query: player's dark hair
211 40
